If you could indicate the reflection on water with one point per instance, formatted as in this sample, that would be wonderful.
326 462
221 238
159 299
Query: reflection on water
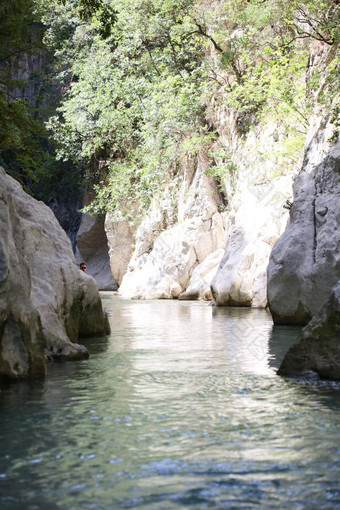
179 408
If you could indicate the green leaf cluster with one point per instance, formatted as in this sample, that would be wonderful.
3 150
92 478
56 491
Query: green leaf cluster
131 96
266 55
20 129
137 76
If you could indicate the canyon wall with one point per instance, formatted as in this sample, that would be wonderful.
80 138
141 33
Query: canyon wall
46 302
257 211
183 227
305 262
205 237
317 351
211 233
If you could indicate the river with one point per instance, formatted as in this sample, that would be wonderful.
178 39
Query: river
180 408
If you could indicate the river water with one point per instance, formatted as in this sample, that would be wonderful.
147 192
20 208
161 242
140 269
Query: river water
179 408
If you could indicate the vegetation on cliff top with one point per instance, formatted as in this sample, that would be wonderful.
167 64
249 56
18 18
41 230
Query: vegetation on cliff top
20 34
135 78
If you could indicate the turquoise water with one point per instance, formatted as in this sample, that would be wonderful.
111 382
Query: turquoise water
179 408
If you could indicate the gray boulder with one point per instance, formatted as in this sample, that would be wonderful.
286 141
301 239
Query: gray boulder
46 302
92 248
318 348
305 263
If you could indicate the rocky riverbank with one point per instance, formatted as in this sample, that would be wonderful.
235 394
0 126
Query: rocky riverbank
317 352
46 302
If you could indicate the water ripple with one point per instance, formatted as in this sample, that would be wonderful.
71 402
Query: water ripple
179 408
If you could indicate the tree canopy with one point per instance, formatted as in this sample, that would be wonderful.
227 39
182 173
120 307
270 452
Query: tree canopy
135 78
20 35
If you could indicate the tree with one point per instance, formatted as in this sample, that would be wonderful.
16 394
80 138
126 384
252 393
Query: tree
137 75
20 129
131 95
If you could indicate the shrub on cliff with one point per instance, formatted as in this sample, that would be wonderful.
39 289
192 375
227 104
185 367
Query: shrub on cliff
138 75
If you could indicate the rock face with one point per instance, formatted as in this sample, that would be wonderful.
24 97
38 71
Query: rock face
46 302
121 237
66 210
256 212
318 349
176 250
305 261
182 229
241 276
245 214
92 248
202 276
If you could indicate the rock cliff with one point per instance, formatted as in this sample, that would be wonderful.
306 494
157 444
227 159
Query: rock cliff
46 302
182 228
92 247
262 183
235 196
305 261
204 239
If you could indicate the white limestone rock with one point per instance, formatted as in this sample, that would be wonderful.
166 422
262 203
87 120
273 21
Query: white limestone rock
257 180
177 235
155 275
200 281
258 186
46 302
241 277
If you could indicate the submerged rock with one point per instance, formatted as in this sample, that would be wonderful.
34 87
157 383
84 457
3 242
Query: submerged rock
46 302
318 348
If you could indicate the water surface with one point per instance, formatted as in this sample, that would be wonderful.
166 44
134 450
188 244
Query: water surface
179 408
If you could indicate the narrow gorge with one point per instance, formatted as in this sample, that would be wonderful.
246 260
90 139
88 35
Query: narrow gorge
169 254
210 168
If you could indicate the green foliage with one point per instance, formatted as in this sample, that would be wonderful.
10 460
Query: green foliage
137 75
335 120
266 52
198 142
131 96
20 130
223 165
102 14
60 180
16 18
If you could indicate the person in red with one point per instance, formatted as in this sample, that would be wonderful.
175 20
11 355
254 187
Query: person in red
82 266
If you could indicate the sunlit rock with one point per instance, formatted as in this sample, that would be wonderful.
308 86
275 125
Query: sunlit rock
305 262
241 277
183 227
257 185
46 302
318 348
243 210
158 274
199 286
121 237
